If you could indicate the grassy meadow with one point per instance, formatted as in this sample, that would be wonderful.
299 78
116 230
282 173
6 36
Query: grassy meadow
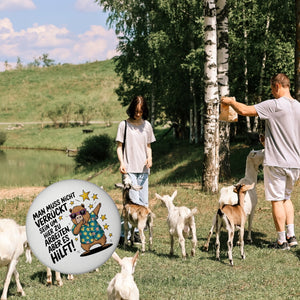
264 274
27 95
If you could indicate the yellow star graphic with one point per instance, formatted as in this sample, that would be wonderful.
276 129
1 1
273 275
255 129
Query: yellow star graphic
106 226
91 206
60 217
103 217
85 195
72 202
95 196
110 235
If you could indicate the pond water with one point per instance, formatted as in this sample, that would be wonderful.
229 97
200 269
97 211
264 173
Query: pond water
33 167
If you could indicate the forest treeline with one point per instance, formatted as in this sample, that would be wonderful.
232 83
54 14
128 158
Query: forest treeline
161 46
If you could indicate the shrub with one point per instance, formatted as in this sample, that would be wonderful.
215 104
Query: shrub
94 149
2 137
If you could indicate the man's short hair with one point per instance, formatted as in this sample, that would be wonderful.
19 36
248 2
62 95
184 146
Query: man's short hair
281 79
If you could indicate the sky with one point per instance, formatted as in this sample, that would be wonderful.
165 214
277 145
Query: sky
69 31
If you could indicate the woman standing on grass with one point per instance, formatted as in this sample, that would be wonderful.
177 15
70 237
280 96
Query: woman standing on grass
134 138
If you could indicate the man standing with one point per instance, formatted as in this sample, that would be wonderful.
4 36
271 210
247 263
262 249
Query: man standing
282 153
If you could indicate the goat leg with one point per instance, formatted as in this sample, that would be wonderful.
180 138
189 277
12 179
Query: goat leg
19 286
182 244
250 219
172 245
230 245
206 245
125 232
218 229
10 270
242 242
194 239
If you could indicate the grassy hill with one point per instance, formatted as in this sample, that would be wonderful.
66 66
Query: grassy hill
27 95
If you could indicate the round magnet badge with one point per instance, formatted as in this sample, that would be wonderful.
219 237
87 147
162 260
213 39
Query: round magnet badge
73 226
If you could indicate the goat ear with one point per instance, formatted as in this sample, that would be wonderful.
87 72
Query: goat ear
134 261
158 196
174 194
136 187
117 258
119 185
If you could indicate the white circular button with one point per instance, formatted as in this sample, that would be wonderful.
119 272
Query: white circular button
73 226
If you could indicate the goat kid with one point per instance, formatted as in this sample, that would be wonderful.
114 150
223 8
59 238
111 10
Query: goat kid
231 217
13 241
227 196
137 215
123 286
181 221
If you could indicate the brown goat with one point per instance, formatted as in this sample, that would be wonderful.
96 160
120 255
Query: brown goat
231 217
137 215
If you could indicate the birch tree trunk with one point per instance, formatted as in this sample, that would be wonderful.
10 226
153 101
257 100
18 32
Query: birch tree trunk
211 123
223 84
297 51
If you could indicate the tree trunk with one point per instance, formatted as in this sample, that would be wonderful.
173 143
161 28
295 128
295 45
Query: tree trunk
223 83
211 125
297 51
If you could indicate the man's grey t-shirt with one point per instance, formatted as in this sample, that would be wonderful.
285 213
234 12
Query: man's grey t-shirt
282 131
135 152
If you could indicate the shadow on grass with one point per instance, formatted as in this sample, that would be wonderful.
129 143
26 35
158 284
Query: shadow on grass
40 276
257 240
298 253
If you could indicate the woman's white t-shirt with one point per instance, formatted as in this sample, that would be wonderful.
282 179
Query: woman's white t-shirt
135 151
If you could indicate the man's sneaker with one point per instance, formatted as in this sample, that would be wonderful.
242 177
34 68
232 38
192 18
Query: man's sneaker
276 245
292 241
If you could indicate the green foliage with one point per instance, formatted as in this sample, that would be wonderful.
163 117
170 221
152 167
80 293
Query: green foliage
94 149
3 137
162 57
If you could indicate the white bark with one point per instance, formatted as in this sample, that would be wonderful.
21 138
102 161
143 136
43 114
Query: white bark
223 83
211 125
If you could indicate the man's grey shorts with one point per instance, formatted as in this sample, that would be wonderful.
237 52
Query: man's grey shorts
279 182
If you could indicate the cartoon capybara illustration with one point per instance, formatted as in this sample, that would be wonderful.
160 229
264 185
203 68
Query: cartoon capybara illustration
86 225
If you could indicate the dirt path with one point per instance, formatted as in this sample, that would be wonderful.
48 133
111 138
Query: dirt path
28 193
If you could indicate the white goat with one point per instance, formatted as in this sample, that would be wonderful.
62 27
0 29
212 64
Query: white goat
123 286
13 241
137 215
231 217
57 277
227 196
180 220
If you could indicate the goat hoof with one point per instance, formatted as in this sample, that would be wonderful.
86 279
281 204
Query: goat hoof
231 262
243 256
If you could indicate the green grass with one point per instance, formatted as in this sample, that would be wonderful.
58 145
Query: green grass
264 274
26 95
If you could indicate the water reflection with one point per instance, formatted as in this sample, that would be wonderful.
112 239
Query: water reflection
33 167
